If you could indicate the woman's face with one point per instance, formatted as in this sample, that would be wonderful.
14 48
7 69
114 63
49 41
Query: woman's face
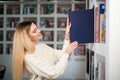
35 33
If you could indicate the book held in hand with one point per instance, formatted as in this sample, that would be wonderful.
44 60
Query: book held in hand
82 26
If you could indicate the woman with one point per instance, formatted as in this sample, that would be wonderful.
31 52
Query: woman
37 59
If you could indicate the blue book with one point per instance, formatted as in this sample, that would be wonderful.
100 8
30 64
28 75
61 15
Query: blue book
82 26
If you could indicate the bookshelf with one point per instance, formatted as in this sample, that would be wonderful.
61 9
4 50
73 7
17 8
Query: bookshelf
96 52
50 16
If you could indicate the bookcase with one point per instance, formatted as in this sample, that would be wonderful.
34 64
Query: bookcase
96 52
50 16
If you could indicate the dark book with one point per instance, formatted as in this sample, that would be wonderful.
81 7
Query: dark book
82 26
1 10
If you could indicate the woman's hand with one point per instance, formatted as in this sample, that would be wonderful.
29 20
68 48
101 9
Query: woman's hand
71 47
67 33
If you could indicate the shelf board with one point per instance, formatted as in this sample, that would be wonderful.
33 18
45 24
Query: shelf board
100 48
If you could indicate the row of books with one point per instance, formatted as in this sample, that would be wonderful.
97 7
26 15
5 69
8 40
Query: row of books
61 22
100 24
95 72
1 35
49 35
88 26
1 48
100 67
8 49
47 9
1 22
12 22
9 35
13 9
30 10
44 22
44 9
1 9
90 63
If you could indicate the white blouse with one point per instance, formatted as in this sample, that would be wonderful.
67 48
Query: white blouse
46 62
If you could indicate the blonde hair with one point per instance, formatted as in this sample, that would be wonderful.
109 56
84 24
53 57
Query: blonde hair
21 45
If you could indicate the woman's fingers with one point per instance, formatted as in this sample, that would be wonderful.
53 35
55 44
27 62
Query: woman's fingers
68 23
74 44
68 26
71 47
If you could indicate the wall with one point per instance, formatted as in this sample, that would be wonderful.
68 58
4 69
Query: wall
114 40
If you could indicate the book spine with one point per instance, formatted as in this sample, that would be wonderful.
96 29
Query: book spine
102 22
96 25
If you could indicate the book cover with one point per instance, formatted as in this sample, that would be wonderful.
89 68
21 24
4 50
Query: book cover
1 48
87 61
82 26
102 22
100 67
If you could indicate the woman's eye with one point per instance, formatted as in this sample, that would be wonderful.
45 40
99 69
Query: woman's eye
34 31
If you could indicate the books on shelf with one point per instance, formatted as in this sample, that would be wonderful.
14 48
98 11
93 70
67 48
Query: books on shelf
12 22
30 9
64 8
47 9
87 61
9 35
47 22
9 49
1 22
53 26
60 35
90 64
100 28
1 9
88 26
102 22
80 50
92 68
47 35
100 67
13 9
1 35
96 25
100 71
61 22
1 48
80 7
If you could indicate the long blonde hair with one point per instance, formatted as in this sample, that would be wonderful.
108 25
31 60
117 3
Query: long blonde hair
21 45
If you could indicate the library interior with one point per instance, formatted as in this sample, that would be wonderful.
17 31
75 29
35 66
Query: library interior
92 21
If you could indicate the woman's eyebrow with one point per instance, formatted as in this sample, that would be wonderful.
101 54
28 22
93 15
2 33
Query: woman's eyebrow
34 29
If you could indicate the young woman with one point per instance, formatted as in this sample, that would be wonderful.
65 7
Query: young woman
37 59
